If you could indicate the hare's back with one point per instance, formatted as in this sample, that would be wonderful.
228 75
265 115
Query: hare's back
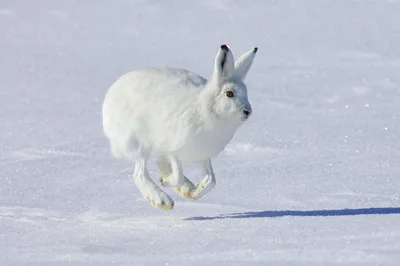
163 80
154 87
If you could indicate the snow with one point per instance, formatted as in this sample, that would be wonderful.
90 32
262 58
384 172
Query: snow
311 179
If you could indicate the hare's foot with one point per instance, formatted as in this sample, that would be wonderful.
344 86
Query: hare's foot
184 190
149 190
205 185
155 196
173 181
184 186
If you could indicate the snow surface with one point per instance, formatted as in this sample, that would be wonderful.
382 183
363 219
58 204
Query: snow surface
311 179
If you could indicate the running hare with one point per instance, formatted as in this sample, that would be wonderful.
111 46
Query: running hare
181 117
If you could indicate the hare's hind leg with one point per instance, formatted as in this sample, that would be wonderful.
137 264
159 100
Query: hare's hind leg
146 186
170 175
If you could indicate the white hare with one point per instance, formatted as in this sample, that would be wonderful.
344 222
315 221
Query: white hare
181 117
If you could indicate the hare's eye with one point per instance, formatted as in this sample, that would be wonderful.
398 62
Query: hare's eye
230 94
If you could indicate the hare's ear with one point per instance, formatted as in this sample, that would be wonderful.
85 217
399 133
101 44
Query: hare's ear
243 64
224 64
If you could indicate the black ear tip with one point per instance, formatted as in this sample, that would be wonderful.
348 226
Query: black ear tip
255 50
225 47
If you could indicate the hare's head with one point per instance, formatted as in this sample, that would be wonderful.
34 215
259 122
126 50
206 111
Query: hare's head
227 87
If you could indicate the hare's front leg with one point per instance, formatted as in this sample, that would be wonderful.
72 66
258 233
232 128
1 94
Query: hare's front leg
166 170
207 183
147 187
175 177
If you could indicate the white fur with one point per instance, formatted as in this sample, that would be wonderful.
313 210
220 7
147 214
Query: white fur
180 116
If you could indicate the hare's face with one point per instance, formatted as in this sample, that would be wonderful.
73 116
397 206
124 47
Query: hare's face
232 101
227 84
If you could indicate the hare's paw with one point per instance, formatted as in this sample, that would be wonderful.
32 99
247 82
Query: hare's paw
172 181
168 181
205 185
159 199
185 190
164 202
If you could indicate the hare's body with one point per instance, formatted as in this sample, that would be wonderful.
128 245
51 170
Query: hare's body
180 116
174 123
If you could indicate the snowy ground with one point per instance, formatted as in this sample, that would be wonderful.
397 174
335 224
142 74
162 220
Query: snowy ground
313 178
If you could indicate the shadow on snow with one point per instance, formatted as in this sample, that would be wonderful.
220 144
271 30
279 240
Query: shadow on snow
312 213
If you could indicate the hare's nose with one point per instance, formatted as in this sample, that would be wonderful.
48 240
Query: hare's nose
246 113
